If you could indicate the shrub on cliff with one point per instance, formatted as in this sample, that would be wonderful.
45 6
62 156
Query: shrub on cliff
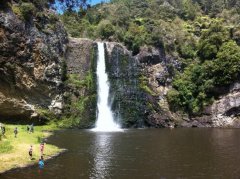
27 10
226 67
212 39
194 88
105 29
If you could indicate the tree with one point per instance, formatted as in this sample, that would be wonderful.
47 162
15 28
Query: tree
227 65
189 9
105 29
211 41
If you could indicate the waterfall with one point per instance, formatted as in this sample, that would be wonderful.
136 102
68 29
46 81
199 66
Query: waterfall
105 121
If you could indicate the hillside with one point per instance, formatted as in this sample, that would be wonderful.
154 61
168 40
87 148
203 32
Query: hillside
199 39
185 55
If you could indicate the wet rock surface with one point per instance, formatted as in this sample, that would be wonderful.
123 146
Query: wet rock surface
127 99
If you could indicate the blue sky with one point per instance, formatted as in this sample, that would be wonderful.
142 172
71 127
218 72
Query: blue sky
93 2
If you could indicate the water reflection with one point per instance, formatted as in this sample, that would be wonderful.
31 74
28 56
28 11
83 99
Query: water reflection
102 152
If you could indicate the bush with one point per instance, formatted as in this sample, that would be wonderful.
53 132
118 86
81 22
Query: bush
226 68
105 29
194 88
27 10
211 40
16 10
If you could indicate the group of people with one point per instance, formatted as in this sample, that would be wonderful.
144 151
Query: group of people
40 161
30 129
3 130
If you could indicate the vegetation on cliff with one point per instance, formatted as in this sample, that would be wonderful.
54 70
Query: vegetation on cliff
81 92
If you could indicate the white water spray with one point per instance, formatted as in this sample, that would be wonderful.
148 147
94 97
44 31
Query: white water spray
105 120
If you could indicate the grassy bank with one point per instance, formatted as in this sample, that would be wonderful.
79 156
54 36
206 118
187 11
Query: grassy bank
14 151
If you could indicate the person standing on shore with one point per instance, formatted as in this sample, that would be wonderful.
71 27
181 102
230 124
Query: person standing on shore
30 152
15 132
42 148
3 130
40 165
31 128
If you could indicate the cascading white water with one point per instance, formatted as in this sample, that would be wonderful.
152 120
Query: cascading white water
105 121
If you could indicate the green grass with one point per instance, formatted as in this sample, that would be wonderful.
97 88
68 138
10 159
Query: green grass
14 151
5 147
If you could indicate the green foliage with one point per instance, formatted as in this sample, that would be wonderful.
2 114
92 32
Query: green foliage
149 22
80 108
189 9
211 40
16 10
143 84
27 10
173 99
105 29
193 89
226 68
46 115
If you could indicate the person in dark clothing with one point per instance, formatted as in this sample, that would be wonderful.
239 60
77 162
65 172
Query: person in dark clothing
31 128
30 152
28 128
3 130
15 132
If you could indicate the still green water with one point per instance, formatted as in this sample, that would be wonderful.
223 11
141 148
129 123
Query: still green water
141 153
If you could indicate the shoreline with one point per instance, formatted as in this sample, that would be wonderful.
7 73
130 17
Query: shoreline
34 163
14 151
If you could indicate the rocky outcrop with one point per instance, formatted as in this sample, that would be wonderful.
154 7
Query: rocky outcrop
31 60
134 94
78 56
158 68
224 112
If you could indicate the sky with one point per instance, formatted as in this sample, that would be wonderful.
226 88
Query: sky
93 2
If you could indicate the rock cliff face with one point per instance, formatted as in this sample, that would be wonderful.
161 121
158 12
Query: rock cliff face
224 112
137 84
159 70
31 59
81 86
